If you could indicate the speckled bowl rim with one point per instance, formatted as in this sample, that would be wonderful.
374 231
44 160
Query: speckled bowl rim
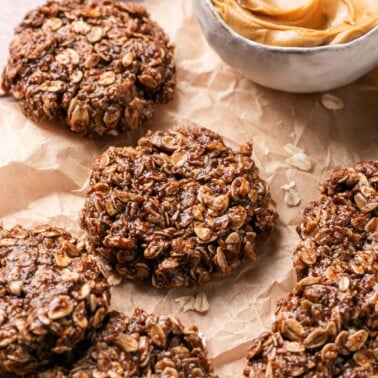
282 49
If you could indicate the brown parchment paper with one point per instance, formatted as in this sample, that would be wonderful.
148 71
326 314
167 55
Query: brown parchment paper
44 170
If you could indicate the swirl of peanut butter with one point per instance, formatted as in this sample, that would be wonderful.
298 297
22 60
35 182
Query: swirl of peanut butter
299 23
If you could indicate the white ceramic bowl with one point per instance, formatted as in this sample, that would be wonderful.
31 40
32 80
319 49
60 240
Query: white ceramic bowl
290 69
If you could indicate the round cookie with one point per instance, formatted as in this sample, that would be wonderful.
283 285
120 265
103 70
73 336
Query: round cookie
99 66
141 346
51 293
177 208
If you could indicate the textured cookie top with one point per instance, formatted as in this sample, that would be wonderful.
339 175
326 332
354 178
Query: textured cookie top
141 346
97 65
328 325
51 293
339 231
178 207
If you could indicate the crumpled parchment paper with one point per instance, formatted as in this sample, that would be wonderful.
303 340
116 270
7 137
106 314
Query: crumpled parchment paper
44 170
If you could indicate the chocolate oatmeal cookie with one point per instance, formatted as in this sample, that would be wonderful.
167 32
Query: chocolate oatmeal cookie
99 66
328 326
177 208
51 293
141 346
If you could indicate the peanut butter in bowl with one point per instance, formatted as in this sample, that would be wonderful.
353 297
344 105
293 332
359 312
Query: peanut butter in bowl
299 23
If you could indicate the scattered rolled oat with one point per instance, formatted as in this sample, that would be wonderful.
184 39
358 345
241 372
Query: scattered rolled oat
197 303
291 194
331 101
52 293
186 303
178 208
97 65
298 159
327 327
141 346
201 304
301 161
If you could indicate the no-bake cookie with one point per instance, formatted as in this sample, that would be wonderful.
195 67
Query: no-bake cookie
328 326
99 66
51 293
177 208
141 346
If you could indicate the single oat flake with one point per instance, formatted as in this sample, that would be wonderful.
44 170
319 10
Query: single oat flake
298 159
301 161
292 197
186 303
331 101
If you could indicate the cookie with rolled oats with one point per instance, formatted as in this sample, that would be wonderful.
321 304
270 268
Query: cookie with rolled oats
143 345
51 294
178 208
98 66
327 326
